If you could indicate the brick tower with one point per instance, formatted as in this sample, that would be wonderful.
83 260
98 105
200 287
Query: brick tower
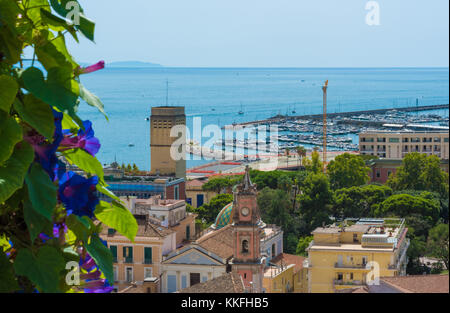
247 230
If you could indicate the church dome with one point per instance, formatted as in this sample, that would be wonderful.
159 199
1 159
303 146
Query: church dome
224 217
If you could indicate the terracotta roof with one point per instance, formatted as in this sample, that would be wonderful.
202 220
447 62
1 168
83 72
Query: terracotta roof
287 259
133 288
219 242
195 183
144 230
419 283
227 283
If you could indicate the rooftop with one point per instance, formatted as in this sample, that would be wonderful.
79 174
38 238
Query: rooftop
419 283
227 283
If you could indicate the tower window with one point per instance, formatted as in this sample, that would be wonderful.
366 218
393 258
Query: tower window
244 246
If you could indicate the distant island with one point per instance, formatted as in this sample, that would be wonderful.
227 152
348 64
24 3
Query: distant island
132 64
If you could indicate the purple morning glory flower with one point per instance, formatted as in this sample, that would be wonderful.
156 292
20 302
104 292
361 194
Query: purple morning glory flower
84 139
78 194
92 283
92 68
45 151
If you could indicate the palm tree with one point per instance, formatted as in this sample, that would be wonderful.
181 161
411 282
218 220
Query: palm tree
301 151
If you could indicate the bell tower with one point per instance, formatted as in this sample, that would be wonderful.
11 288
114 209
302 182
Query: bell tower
247 231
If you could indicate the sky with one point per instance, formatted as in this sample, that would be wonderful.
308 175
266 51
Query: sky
268 33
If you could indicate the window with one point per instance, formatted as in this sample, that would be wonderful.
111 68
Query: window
188 232
114 253
351 276
378 174
129 274
200 200
148 272
116 277
177 192
194 278
389 173
148 251
244 246
394 140
340 276
128 254
355 238
273 250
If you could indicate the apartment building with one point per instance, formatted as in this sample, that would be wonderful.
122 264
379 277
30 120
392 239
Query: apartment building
356 253
396 144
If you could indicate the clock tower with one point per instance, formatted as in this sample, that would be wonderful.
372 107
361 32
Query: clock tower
247 231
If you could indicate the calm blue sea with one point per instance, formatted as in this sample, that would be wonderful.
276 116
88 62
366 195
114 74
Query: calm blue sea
218 94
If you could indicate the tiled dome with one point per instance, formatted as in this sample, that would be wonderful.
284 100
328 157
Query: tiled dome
224 217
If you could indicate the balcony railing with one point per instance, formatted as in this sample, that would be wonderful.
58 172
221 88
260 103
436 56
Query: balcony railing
341 265
148 261
128 260
341 282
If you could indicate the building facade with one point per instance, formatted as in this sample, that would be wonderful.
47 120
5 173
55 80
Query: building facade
396 144
341 257
162 120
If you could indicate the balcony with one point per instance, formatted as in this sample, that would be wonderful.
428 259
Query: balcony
114 259
356 266
148 261
128 260
341 282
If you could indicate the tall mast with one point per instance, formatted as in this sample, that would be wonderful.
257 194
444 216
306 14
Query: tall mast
324 88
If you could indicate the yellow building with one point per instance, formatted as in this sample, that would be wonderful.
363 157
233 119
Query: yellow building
341 257
161 122
286 274
195 195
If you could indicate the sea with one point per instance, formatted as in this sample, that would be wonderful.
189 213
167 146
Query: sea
216 95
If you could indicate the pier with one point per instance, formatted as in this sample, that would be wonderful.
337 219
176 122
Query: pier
344 114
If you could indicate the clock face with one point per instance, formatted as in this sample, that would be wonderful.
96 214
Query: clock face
245 211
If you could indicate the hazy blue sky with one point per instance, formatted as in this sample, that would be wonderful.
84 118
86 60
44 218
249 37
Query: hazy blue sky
268 33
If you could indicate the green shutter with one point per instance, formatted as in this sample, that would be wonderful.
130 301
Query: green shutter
148 255
113 251
124 252
130 252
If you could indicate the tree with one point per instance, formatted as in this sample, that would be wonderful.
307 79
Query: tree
135 169
316 201
438 243
219 184
303 243
360 201
347 170
301 152
314 164
209 211
420 172
404 205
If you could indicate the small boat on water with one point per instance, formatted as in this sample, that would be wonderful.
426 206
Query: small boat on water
131 145
241 112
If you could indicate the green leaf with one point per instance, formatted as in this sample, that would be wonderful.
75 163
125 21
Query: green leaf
12 173
92 100
37 114
36 223
102 257
43 269
11 46
41 190
86 162
8 282
53 53
78 226
58 24
8 92
68 123
87 27
107 192
50 92
118 217
10 135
